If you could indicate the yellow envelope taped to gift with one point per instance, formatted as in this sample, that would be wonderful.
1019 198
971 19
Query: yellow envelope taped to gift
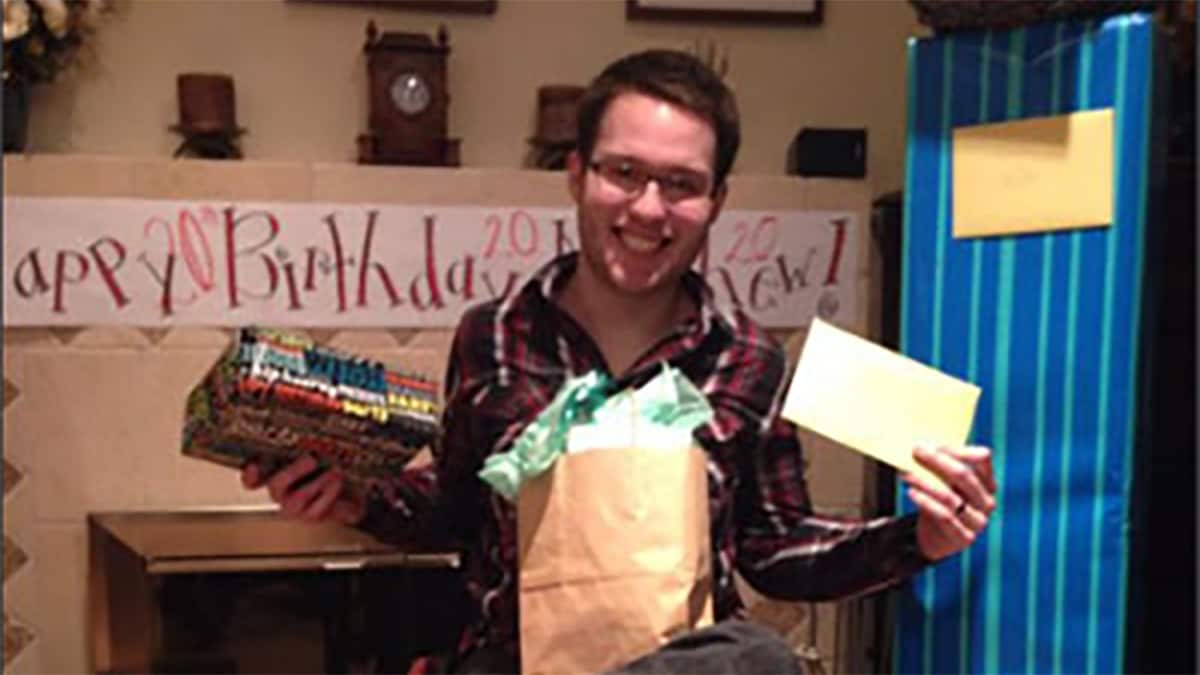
876 401
1034 175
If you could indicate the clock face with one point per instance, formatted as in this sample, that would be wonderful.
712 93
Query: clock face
410 92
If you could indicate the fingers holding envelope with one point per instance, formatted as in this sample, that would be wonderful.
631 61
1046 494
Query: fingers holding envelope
952 515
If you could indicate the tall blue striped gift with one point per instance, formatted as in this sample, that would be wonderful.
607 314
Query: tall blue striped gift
1049 325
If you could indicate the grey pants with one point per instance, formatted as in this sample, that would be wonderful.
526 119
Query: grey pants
733 647
736 647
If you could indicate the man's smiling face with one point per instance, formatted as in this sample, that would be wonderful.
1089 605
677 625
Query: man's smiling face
637 235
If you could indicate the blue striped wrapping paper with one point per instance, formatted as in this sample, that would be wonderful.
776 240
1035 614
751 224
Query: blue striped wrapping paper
1049 326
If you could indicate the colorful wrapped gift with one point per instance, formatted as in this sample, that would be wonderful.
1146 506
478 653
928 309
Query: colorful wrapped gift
1056 328
274 396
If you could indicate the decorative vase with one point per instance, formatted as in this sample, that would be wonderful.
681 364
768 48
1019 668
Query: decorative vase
16 114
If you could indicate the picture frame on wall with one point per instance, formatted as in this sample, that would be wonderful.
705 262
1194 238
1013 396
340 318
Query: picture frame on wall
799 12
451 6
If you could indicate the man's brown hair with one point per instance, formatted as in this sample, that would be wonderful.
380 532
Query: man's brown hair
673 76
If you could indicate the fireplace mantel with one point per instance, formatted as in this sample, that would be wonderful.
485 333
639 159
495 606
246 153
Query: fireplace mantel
161 178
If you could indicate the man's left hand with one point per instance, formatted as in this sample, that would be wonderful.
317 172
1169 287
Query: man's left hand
951 516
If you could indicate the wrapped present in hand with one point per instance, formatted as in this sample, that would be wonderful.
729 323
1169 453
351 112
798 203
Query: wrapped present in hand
274 396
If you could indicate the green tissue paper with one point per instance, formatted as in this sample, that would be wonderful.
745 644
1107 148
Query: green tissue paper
659 415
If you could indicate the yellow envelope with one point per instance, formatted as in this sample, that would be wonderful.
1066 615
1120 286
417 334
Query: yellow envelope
1034 175
874 400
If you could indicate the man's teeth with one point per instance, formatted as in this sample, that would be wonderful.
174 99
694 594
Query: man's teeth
639 243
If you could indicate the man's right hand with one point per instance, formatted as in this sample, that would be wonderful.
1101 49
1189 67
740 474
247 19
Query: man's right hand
325 497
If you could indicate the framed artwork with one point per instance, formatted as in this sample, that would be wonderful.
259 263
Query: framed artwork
735 11
457 6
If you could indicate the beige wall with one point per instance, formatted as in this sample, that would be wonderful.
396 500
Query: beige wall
300 75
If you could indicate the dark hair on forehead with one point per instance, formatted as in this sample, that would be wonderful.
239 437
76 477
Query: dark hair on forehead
673 76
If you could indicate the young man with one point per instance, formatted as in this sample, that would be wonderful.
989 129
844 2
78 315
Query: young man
658 133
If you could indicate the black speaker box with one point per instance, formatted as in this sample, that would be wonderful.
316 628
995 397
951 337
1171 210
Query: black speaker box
830 153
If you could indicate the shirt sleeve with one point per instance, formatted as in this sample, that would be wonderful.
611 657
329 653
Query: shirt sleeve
783 547
446 497
789 552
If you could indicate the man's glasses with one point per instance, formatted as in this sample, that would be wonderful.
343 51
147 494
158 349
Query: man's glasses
632 177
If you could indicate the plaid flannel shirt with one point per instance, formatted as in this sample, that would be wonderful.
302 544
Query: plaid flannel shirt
510 357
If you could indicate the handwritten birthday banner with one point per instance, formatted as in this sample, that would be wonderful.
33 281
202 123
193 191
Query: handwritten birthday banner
141 262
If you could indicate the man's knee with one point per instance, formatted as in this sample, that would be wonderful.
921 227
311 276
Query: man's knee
726 647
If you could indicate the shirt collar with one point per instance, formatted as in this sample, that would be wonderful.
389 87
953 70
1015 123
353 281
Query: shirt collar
548 281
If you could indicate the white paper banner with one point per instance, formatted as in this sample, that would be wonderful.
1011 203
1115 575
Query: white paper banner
140 262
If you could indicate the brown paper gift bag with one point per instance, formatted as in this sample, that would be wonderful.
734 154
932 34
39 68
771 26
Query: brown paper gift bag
614 557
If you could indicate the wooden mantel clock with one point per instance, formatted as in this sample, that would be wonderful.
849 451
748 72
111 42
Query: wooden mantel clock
407 99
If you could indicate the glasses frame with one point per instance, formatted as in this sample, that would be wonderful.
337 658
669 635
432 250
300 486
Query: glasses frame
649 173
